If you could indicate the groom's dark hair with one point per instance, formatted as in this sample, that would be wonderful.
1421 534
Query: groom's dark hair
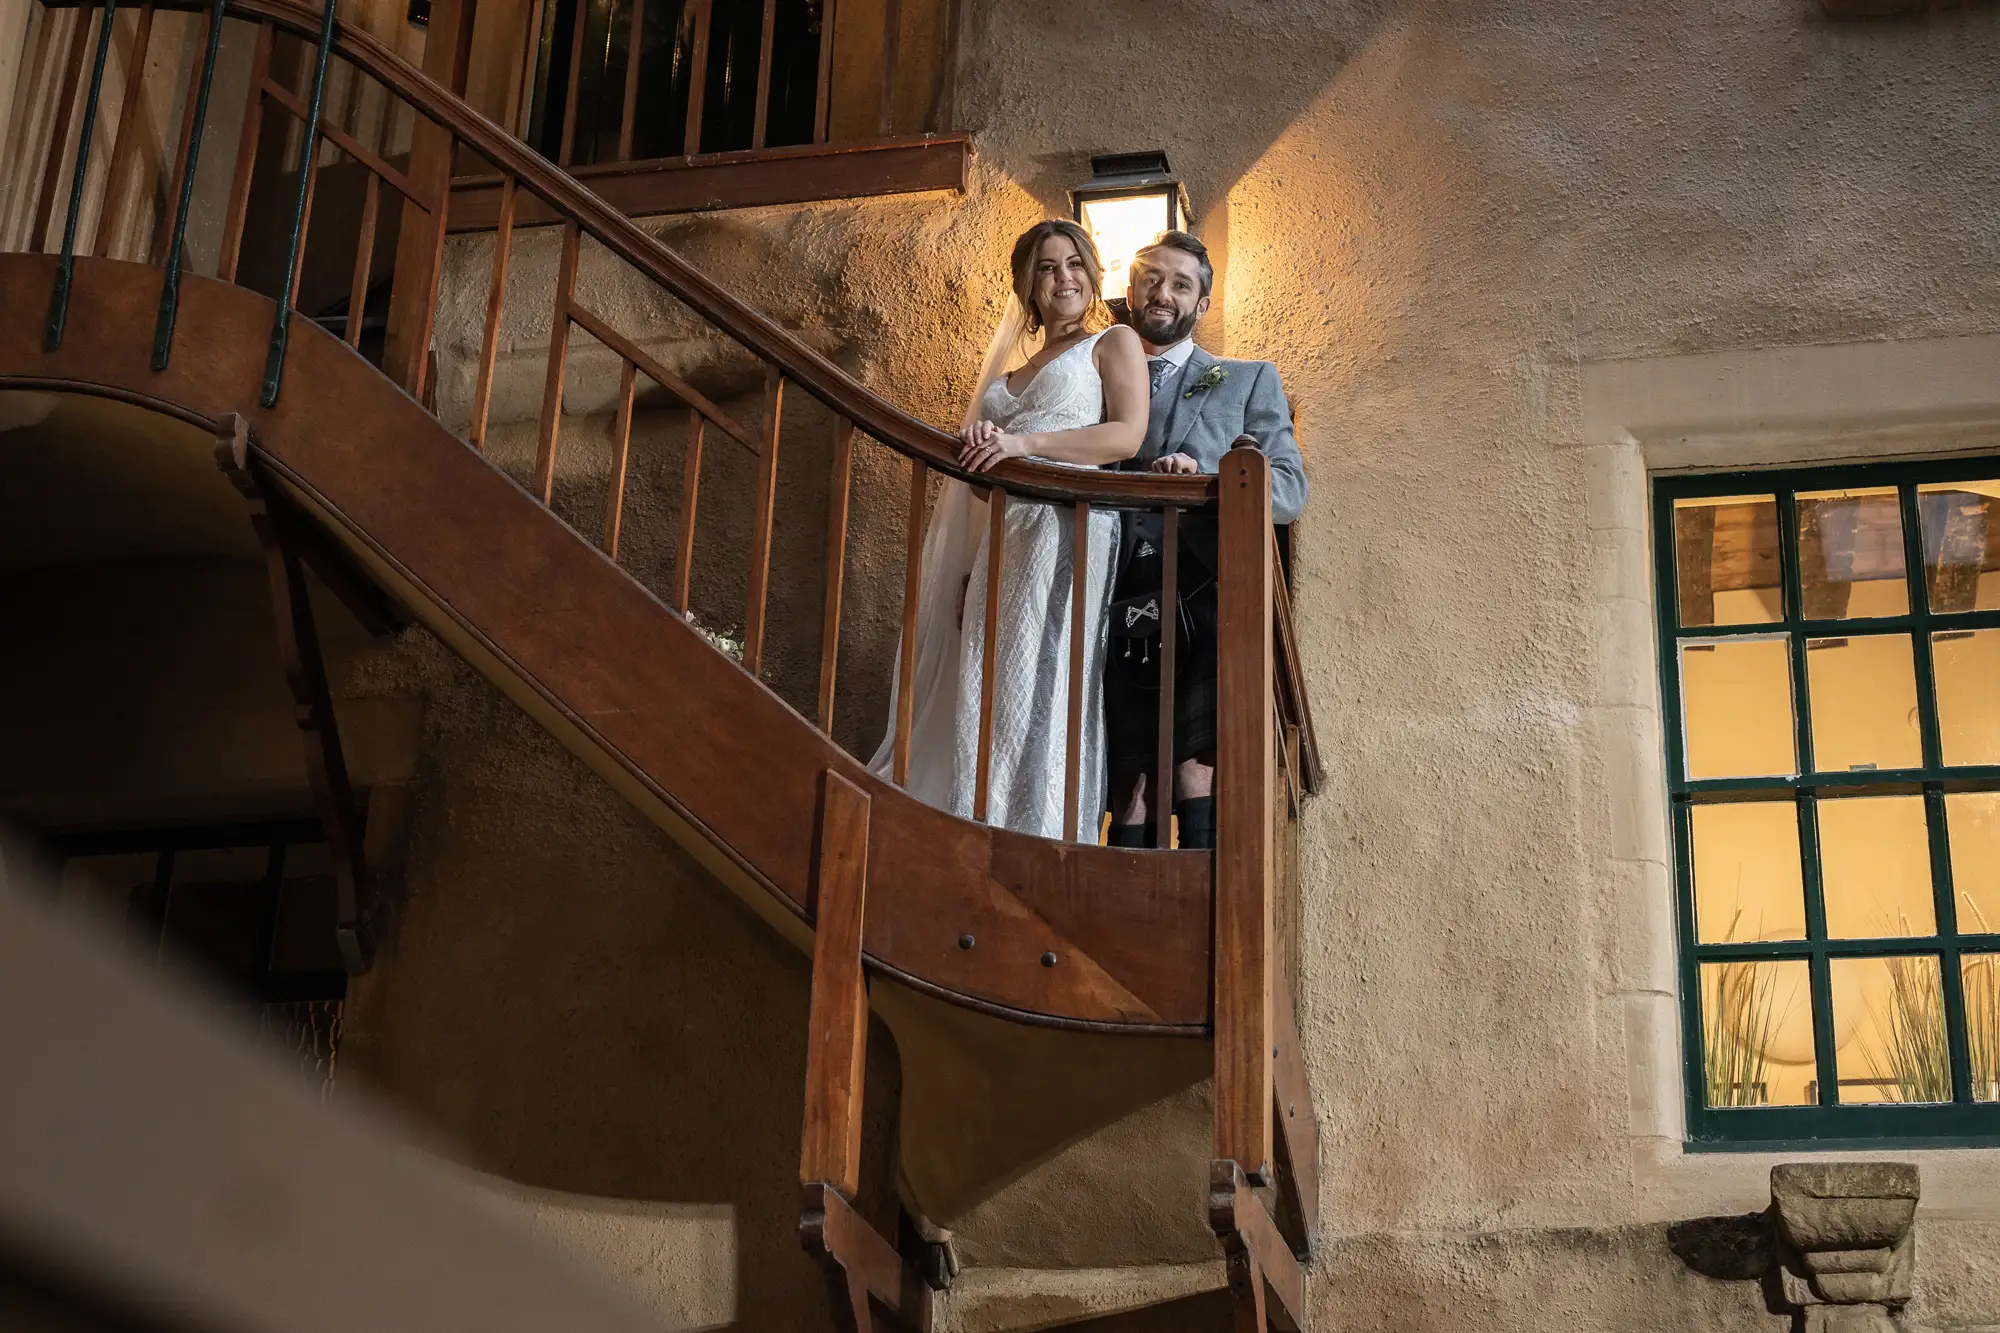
1186 243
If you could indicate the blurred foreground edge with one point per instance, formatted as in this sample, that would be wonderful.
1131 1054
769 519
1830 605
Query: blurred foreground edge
159 1171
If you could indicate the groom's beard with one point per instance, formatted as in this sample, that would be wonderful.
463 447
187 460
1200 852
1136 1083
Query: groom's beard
1162 330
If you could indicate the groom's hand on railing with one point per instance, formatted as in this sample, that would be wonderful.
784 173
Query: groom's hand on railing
1178 464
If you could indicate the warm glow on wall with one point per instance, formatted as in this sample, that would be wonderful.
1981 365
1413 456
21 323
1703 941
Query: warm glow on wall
1129 199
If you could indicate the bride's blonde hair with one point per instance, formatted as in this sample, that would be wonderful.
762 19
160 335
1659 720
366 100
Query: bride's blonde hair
1098 316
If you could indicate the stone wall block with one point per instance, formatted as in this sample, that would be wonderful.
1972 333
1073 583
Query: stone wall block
1848 1319
1845 1224
1847 1241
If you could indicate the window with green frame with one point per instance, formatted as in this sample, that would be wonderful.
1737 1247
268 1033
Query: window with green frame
1830 660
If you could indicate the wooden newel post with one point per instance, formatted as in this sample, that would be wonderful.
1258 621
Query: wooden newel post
1245 757
837 1029
860 1265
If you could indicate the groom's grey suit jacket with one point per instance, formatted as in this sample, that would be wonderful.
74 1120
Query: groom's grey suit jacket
1203 424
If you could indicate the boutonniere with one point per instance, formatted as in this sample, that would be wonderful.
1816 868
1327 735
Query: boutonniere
1211 377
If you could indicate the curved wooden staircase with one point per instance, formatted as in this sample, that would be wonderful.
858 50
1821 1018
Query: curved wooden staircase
1037 989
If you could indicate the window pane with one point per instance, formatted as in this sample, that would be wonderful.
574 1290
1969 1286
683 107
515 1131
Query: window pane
1960 559
1851 554
1875 867
1756 1033
1980 974
1747 882
1966 665
1972 818
1888 1022
1726 558
1864 703
1736 698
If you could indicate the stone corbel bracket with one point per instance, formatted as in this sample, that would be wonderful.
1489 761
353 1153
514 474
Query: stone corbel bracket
1846 1242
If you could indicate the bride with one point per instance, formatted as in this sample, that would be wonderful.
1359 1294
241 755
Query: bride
1080 400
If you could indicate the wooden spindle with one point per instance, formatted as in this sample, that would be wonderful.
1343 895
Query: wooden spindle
246 155
406 340
431 270
521 96
630 115
766 512
823 102
697 73
1170 623
621 447
892 35
762 114
45 205
552 390
124 146
489 346
364 255
944 108
568 148
690 491
1079 573
906 664
996 558
836 568
163 222
310 166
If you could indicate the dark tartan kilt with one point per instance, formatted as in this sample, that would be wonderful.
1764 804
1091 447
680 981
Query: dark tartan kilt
1132 685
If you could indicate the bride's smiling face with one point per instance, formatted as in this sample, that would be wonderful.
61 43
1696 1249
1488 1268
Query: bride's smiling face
1062 286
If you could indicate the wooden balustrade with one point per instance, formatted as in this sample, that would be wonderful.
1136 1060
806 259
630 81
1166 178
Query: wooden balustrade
860 420
589 72
1267 754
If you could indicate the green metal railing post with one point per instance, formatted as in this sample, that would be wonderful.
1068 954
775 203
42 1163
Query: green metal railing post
274 363
66 266
170 286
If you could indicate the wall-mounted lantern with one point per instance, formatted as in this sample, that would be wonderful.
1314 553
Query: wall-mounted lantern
1129 199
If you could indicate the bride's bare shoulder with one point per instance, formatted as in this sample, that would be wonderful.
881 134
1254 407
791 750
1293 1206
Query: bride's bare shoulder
1120 342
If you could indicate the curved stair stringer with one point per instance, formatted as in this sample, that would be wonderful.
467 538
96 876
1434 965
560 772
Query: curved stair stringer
1006 1060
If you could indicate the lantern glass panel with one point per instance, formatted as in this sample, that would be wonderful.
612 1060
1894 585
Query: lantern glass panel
1120 227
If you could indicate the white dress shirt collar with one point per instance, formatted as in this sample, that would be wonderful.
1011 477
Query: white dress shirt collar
1177 355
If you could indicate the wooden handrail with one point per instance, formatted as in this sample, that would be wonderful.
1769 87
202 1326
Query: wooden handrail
800 363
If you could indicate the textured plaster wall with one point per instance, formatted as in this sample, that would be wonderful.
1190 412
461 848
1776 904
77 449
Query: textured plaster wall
1433 217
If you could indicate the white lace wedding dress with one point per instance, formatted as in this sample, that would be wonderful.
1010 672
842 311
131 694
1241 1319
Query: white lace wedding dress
1028 776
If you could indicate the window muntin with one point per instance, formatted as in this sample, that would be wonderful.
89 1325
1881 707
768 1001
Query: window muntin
1831 668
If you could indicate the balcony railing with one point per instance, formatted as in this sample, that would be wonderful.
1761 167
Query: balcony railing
677 105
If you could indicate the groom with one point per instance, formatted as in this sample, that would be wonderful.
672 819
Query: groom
1200 405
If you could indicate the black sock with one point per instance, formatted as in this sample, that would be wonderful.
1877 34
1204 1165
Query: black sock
1197 816
1132 835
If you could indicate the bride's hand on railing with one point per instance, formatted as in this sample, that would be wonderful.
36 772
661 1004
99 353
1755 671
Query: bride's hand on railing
982 445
